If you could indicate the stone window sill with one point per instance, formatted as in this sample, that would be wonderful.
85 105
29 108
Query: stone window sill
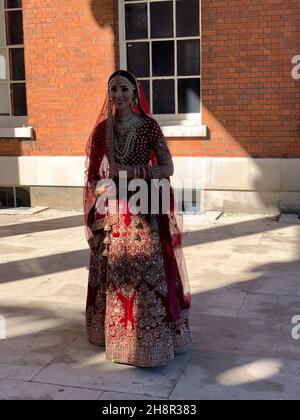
174 129
16 132
15 127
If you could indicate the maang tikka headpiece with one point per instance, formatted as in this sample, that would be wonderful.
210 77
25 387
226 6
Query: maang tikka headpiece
122 80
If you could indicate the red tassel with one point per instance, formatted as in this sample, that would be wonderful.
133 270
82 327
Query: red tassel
127 219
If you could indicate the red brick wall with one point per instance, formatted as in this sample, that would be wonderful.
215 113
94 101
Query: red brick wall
250 101
70 48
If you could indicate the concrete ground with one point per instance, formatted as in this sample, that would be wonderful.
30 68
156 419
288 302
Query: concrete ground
245 276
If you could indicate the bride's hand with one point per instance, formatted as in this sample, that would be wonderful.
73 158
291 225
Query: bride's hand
101 190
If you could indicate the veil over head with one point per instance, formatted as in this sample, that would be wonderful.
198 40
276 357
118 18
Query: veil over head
99 155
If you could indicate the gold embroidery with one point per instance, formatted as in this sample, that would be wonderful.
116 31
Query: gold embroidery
136 261
127 293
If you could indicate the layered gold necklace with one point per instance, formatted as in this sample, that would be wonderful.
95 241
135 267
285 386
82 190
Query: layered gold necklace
124 135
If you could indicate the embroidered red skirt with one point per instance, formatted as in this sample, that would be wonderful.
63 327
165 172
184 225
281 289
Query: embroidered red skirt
126 307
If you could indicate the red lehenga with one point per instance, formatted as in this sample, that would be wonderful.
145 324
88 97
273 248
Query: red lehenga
138 301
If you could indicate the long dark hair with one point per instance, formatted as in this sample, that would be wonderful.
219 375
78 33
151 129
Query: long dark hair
132 79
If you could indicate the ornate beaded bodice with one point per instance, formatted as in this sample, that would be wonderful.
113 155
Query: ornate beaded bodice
125 134
132 145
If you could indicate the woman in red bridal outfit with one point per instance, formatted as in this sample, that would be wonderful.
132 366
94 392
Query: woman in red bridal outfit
138 295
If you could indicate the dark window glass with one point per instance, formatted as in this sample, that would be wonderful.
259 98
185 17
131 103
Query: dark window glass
187 18
12 4
138 58
136 23
161 14
17 64
14 27
188 96
163 97
163 58
146 88
18 92
23 197
6 197
188 58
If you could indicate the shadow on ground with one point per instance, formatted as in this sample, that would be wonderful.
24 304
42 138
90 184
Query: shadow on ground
243 302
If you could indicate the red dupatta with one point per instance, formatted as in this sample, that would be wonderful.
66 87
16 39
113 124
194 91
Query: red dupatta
99 156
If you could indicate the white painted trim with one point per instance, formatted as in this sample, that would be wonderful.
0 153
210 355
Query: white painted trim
183 130
190 127
8 82
17 132
15 127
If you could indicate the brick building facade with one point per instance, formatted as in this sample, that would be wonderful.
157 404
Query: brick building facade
243 142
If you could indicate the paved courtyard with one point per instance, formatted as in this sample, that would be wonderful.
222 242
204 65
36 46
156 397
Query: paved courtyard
245 276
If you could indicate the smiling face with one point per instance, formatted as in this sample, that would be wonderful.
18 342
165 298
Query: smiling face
122 95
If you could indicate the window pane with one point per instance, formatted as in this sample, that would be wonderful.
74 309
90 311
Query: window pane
138 58
6 197
136 23
161 19
4 95
17 64
163 97
187 18
14 27
19 99
23 197
4 67
163 58
189 96
13 4
188 58
146 88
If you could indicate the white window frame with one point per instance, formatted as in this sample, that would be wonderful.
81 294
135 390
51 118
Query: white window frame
12 126
173 125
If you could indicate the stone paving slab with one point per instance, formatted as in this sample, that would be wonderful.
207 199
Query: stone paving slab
20 390
225 376
37 331
288 347
244 272
23 210
108 396
84 365
237 335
